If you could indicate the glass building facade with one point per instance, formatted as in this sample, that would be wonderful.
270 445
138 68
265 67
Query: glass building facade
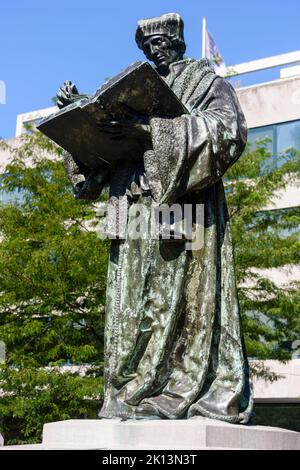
281 139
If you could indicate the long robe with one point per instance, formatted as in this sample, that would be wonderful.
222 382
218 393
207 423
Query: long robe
173 337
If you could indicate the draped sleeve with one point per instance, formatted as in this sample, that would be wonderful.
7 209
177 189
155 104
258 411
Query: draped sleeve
193 151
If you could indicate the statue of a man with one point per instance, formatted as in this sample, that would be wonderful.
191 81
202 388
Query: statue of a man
173 339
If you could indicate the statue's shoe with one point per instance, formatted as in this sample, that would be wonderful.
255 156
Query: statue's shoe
147 411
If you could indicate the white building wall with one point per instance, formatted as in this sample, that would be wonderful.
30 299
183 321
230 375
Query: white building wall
271 103
284 390
31 118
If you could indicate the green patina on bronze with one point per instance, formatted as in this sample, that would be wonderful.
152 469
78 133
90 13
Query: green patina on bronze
173 339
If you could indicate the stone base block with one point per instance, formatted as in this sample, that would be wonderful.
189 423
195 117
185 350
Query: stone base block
195 433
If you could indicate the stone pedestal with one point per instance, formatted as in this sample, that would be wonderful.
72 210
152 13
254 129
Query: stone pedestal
195 433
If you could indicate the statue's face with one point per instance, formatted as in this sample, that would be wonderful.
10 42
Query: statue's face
160 50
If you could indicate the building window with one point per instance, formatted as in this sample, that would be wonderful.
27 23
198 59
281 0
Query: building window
288 138
281 140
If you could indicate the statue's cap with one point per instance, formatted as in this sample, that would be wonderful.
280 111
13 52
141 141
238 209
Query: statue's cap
170 24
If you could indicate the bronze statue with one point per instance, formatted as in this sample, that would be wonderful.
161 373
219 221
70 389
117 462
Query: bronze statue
173 339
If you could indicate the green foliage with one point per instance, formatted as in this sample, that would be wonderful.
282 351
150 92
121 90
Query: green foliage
264 240
52 293
34 396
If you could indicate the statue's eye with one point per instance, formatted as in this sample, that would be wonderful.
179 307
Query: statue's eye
157 42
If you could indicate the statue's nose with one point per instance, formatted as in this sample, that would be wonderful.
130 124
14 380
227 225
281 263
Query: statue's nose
153 48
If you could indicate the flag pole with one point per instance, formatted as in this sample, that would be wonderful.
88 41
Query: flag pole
203 36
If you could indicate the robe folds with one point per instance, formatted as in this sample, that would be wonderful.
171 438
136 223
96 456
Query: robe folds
173 338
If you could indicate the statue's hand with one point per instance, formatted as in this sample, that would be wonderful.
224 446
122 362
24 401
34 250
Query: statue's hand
67 94
122 129
87 184
75 170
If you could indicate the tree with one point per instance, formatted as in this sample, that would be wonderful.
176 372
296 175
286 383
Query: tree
52 284
53 273
265 239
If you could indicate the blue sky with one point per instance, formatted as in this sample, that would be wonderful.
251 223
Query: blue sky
44 43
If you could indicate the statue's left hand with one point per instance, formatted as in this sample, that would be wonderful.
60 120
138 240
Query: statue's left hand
121 130
67 94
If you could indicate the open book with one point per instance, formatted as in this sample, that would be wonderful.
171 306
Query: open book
137 90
